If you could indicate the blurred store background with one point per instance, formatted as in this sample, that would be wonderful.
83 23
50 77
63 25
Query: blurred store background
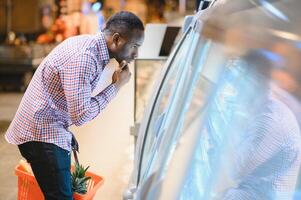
30 29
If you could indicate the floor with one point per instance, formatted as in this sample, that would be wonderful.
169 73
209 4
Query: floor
9 153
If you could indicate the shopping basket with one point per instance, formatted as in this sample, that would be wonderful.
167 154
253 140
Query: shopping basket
28 188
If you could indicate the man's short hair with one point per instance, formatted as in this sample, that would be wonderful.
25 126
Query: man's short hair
124 23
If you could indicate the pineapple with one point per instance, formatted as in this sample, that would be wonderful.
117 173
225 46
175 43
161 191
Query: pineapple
79 180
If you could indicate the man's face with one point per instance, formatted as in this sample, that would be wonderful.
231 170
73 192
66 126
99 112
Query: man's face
129 50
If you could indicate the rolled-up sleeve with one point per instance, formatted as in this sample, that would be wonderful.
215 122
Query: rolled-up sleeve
76 80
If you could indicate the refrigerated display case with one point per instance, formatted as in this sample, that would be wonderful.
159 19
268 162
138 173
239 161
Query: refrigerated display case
223 120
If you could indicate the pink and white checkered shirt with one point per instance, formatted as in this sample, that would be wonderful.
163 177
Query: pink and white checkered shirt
59 94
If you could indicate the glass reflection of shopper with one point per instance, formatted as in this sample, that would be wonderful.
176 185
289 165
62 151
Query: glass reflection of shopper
59 96
268 153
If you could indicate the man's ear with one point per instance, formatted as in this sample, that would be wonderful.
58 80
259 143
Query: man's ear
117 40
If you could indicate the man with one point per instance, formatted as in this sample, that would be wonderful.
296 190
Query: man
59 96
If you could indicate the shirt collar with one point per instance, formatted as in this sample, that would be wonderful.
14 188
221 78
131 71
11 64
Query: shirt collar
102 47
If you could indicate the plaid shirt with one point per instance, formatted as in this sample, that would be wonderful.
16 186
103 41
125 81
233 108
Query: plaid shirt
59 94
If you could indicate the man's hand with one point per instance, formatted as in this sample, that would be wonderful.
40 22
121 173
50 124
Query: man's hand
122 75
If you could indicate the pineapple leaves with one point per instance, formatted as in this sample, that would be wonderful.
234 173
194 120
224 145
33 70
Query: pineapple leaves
79 180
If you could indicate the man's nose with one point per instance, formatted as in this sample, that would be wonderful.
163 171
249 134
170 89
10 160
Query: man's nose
135 55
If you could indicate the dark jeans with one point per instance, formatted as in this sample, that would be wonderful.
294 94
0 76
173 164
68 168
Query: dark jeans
51 167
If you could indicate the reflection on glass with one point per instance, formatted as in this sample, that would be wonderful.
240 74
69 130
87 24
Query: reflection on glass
249 145
155 132
147 71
